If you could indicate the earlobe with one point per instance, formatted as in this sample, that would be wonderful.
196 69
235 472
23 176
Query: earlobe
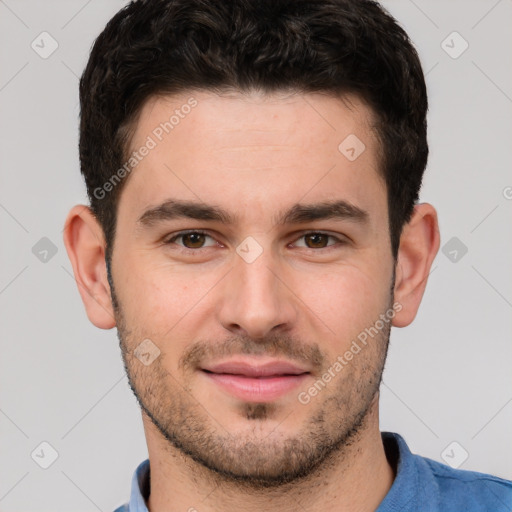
85 245
419 244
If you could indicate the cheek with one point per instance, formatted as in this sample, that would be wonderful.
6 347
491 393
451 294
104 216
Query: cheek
157 297
347 300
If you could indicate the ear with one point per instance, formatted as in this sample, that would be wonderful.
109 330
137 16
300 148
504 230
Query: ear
85 245
419 244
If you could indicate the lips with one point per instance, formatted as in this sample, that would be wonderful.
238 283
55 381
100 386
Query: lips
269 369
253 381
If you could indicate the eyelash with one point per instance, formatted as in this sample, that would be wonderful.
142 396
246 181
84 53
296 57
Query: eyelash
171 240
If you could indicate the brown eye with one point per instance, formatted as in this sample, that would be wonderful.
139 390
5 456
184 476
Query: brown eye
316 240
193 240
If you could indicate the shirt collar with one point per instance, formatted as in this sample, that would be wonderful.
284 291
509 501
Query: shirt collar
140 488
403 492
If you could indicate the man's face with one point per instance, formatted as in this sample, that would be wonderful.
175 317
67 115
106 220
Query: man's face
255 288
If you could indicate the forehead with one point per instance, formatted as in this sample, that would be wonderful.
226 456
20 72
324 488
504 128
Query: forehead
258 116
247 149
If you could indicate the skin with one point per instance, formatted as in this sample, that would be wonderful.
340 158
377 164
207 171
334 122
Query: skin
302 299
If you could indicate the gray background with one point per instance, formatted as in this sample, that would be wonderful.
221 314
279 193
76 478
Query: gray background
61 379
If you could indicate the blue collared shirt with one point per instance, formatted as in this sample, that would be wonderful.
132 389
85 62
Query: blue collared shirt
421 484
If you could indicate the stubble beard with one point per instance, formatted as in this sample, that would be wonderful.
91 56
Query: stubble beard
257 458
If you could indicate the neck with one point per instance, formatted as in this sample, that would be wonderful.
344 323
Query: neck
356 478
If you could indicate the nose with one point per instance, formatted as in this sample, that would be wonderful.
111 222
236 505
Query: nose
257 298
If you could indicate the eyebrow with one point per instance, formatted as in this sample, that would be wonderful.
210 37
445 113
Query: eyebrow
173 209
